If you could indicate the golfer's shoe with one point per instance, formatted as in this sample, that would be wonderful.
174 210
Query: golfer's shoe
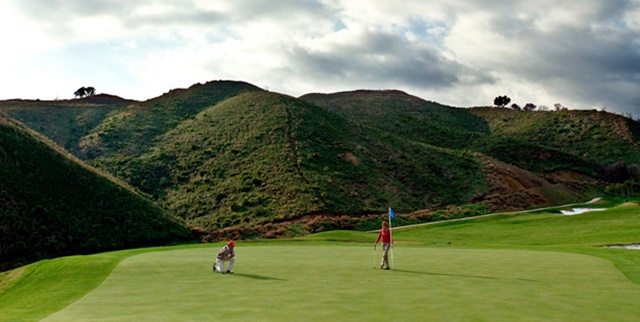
215 269
387 268
229 272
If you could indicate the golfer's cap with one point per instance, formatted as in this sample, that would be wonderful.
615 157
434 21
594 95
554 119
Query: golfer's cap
232 243
384 223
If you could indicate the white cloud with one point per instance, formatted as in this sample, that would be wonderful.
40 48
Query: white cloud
582 54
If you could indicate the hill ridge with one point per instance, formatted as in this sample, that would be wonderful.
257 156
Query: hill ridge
55 204
227 154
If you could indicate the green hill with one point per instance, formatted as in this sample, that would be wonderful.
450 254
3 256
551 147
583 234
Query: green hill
592 135
586 139
64 121
407 116
228 155
132 129
264 157
53 204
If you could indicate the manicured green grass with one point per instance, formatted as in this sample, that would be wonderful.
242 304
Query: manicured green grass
296 282
50 285
538 266
586 233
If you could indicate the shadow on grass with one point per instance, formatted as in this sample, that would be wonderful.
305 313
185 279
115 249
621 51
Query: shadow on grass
458 275
256 277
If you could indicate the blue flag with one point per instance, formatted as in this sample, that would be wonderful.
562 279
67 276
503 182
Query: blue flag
391 214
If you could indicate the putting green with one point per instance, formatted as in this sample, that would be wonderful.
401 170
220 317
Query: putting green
295 282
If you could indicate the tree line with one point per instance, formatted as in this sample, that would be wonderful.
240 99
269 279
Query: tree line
625 189
625 179
503 101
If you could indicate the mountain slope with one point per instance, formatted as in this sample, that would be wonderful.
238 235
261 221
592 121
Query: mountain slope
130 130
225 154
404 115
592 136
54 205
64 121
261 157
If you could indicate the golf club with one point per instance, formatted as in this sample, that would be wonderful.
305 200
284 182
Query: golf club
373 259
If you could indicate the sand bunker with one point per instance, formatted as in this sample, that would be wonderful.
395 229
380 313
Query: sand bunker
632 246
576 211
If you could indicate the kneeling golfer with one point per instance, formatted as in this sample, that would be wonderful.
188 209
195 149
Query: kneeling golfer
226 254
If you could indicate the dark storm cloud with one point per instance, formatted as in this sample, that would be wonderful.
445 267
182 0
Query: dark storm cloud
380 57
601 67
594 61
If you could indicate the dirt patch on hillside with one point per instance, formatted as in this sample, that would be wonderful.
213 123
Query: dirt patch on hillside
350 157
512 188
304 225
621 125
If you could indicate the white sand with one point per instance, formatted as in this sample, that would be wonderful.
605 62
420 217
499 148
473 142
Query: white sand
576 211
632 246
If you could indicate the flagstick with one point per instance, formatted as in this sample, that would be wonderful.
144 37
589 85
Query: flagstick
393 266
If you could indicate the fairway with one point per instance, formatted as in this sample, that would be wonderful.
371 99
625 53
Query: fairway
302 282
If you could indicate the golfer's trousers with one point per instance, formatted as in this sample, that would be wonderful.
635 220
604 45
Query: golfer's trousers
220 263
385 254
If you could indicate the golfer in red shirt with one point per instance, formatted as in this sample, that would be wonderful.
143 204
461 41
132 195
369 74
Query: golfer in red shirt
385 235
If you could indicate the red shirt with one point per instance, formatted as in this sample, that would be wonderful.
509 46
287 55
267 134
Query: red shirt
385 235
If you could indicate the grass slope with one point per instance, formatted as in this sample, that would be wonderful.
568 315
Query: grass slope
131 130
67 121
260 157
404 115
53 204
537 158
34 291
596 137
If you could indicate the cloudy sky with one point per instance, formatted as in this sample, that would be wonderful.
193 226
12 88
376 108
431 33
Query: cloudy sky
583 54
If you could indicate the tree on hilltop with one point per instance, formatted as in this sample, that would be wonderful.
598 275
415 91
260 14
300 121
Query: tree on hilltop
559 107
501 101
85 91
